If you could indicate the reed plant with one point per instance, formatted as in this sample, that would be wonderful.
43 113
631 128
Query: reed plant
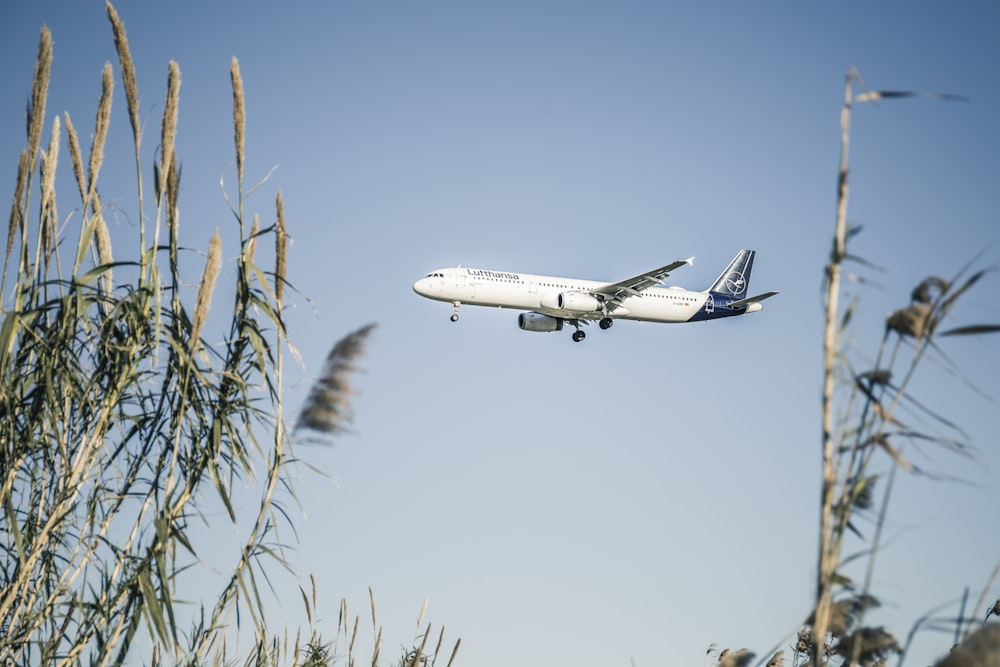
870 419
123 427
864 425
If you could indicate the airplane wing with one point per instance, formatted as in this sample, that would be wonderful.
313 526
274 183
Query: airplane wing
742 303
615 293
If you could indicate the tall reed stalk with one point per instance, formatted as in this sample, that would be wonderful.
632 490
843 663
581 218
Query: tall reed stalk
860 423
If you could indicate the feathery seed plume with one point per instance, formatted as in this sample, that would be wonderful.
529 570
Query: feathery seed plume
454 652
39 92
239 115
173 187
252 241
50 158
280 250
326 409
212 266
740 658
102 239
423 610
437 647
867 646
128 70
981 648
101 128
168 129
378 647
915 320
929 289
804 643
15 207
354 637
50 217
76 157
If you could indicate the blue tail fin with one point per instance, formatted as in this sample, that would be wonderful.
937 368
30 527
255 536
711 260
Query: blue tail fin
735 280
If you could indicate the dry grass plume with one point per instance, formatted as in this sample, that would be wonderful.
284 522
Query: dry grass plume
102 239
76 157
39 92
50 215
168 128
327 408
239 115
251 248
15 207
100 128
128 70
280 250
212 266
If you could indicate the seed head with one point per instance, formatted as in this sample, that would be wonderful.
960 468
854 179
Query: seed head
280 250
128 70
212 266
239 115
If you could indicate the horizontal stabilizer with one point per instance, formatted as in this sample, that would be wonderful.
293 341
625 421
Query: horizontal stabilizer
742 303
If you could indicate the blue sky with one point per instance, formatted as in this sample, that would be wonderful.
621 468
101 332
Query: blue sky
653 489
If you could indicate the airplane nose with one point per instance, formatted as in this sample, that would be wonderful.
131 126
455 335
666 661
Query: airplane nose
420 287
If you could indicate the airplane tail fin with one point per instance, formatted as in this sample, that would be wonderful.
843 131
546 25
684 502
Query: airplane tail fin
735 280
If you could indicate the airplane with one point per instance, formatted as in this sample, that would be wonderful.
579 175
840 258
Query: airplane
552 301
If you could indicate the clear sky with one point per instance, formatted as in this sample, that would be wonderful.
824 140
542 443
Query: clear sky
651 490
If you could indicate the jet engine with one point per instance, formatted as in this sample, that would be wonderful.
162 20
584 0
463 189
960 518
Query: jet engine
539 322
578 302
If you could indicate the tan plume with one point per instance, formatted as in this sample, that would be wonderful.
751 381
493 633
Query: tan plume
327 408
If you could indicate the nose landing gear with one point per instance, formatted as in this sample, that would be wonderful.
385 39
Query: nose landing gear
454 314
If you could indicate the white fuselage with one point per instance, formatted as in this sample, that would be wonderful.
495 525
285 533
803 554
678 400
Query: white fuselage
523 291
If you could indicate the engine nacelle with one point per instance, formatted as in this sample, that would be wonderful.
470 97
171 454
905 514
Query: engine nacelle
539 322
578 302
549 300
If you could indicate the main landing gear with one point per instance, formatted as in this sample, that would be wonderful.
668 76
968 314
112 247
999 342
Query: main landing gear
579 334
454 314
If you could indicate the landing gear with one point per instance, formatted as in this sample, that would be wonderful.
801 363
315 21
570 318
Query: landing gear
606 323
454 314
578 335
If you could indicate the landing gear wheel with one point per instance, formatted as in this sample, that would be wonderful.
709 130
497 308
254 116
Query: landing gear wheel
606 323
454 317
578 336
454 314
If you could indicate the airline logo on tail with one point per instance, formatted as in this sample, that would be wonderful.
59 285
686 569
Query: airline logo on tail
735 279
736 284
